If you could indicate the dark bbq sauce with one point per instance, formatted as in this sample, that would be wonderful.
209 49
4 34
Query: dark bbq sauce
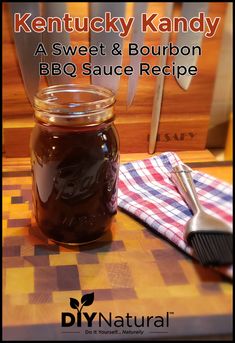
75 176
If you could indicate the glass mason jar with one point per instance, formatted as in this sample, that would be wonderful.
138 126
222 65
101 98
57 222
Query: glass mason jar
75 162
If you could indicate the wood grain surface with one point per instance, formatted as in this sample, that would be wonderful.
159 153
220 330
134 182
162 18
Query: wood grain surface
136 272
184 115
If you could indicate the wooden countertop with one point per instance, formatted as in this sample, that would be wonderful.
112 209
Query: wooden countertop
135 272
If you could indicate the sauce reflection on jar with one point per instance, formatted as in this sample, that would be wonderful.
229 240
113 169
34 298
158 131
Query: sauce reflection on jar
75 163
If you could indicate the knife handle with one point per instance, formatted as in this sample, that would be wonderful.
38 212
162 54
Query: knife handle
157 102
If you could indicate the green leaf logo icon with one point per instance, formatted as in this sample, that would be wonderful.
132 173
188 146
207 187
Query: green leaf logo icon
87 299
74 303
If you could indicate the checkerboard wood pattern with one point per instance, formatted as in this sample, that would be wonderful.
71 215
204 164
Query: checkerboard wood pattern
130 269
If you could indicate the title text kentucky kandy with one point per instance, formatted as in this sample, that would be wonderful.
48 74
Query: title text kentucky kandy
153 22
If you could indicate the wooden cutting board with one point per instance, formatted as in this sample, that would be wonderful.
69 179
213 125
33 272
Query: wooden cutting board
136 272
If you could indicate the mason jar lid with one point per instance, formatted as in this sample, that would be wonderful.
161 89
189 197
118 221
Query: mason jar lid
74 105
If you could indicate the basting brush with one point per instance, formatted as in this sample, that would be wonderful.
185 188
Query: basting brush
211 238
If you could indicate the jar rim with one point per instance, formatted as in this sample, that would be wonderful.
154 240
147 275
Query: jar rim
70 104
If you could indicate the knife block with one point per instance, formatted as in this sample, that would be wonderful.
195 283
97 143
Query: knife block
184 114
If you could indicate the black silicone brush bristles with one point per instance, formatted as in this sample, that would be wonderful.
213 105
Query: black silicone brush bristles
213 248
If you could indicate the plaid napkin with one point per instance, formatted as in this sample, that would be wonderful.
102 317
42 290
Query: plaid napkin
147 192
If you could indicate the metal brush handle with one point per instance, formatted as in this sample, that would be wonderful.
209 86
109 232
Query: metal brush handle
181 176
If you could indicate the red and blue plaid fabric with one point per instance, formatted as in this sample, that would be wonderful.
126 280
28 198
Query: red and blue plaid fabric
147 192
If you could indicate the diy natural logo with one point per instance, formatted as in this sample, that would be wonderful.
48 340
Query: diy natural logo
109 320
68 319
